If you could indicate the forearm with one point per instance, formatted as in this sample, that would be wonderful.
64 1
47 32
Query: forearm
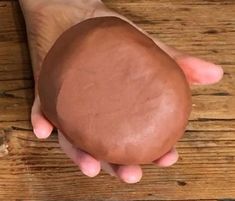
32 4
47 20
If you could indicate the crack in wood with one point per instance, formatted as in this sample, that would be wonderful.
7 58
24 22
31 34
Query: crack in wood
18 89
21 129
23 78
19 120
10 96
227 199
213 94
215 119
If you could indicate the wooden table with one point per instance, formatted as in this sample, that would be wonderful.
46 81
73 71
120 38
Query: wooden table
32 169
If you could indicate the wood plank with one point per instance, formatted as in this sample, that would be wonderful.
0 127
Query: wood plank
211 125
213 107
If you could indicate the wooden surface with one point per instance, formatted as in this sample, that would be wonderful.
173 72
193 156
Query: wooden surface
32 169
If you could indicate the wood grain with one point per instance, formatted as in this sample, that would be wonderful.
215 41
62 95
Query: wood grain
32 169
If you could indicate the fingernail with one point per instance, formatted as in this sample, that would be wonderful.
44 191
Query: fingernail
131 179
40 133
213 74
89 170
219 71
129 174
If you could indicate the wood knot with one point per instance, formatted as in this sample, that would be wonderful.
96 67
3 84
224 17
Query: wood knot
181 183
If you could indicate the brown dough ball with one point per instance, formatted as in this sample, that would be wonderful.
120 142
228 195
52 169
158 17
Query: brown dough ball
113 92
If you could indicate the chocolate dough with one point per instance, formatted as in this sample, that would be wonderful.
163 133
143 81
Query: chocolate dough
113 92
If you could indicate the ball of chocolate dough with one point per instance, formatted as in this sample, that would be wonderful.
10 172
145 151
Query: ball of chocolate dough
113 92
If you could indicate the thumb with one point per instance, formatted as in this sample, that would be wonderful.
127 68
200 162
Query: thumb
196 70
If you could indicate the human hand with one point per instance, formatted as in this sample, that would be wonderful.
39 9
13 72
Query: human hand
196 70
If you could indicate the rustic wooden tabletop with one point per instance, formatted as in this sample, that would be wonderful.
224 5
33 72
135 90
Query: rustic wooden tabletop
32 169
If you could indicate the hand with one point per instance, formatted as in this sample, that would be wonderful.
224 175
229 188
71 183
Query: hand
196 70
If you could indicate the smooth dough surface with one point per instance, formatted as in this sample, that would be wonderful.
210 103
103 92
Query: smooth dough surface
114 93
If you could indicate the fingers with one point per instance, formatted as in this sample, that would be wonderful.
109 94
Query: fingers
197 71
133 173
128 173
87 164
91 167
168 159
41 126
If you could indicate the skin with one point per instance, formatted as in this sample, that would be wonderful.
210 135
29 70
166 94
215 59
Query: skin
46 21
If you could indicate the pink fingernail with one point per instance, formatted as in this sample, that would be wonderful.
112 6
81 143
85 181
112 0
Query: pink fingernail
132 179
89 170
41 134
220 70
